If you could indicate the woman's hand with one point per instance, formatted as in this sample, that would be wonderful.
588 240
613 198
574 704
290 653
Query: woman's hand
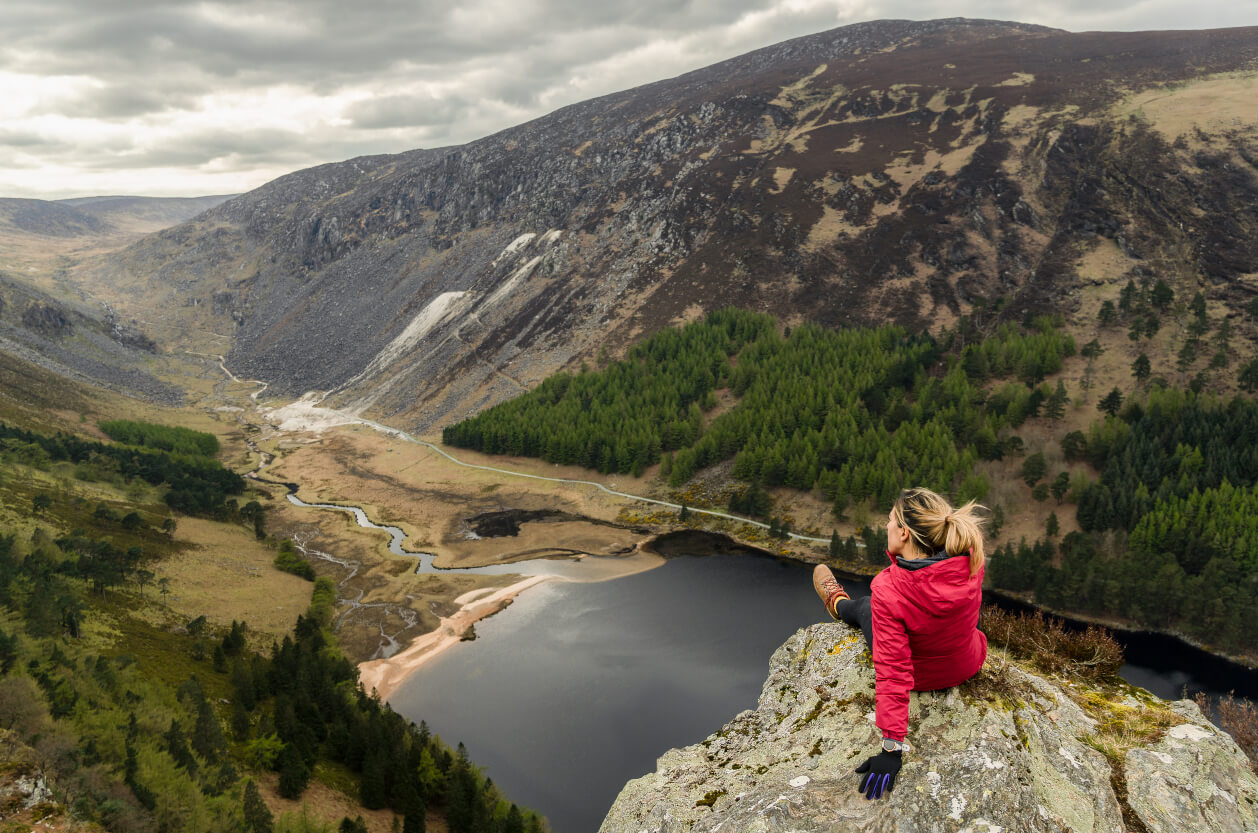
879 774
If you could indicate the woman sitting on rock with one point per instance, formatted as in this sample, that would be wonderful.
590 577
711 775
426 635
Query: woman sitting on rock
921 621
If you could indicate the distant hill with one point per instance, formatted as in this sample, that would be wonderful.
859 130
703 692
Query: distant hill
144 214
60 327
98 216
48 219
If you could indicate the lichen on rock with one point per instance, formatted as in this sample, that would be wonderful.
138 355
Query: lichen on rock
1009 751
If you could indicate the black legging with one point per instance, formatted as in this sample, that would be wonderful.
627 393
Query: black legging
856 613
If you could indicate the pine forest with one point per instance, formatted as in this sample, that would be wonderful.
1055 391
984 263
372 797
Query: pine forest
1163 483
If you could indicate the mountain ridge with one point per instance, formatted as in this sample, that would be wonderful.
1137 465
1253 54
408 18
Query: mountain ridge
921 169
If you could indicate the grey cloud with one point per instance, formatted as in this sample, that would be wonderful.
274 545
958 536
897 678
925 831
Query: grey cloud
327 40
405 111
241 148
503 63
25 139
115 102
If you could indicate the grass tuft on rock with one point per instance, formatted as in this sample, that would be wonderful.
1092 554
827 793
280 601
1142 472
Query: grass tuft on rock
1091 654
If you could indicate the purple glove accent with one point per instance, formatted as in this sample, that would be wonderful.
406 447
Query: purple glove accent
879 774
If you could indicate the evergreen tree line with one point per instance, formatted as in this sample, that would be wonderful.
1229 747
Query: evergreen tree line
170 438
855 413
622 418
1170 530
137 755
197 485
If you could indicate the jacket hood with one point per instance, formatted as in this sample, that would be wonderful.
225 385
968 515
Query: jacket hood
940 586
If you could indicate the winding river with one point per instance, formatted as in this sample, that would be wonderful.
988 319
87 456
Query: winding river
580 684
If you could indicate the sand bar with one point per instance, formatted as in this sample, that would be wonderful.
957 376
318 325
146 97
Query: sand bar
385 675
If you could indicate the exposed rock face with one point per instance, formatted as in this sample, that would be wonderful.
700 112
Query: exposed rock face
892 170
78 342
1019 760
1189 780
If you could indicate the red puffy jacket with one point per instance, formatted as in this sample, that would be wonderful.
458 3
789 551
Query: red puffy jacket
926 634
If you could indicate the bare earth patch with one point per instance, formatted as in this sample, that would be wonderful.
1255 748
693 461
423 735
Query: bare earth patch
1219 102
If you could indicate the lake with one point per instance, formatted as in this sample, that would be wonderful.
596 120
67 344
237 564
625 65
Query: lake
577 688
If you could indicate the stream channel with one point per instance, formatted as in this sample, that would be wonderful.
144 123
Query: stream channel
581 684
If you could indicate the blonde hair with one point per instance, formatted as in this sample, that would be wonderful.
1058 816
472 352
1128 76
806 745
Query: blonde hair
934 525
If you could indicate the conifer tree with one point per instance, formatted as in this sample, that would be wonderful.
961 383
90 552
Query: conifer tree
257 815
1198 306
1248 376
414 821
131 770
1034 468
1162 295
207 735
1107 314
243 686
1061 486
1141 367
241 725
371 785
1127 296
1055 404
460 795
177 746
294 774
1111 403
514 822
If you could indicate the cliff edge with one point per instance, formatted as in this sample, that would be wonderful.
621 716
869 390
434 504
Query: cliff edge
1008 751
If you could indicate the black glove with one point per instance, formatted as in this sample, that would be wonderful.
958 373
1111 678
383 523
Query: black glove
879 774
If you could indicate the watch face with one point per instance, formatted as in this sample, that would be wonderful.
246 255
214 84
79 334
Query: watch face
889 745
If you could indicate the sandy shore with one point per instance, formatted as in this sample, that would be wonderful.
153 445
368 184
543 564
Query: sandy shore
385 675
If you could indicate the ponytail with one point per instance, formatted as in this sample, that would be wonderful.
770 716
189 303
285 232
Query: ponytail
965 532
935 525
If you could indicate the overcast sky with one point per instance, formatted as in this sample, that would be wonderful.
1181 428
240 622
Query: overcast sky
174 98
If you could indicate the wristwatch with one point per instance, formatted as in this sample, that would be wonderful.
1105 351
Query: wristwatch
890 745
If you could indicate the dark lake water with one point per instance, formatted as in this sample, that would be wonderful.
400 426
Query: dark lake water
577 688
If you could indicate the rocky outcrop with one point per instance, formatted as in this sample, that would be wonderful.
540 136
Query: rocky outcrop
78 342
1007 751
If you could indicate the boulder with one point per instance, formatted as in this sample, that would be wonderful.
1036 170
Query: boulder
1007 751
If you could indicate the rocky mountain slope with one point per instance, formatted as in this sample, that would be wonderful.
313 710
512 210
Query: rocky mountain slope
1008 751
889 170
83 342
47 320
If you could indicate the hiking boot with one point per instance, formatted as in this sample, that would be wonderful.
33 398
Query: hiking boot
828 588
